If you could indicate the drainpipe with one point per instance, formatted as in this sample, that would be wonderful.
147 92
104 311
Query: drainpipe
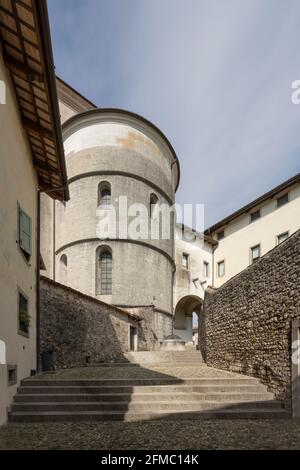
38 243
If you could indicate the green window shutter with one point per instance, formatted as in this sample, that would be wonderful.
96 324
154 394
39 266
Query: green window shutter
24 231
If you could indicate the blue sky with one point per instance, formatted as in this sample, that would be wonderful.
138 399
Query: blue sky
214 75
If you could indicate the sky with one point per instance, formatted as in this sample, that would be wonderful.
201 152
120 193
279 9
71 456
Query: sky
214 75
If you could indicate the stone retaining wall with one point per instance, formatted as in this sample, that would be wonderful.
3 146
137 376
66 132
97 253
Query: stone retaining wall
78 327
246 325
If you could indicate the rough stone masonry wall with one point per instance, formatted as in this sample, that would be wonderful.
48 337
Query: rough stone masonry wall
153 327
76 326
246 325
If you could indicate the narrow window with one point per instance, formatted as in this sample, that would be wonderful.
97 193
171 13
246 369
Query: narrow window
105 272
220 235
153 202
255 215
221 269
281 201
63 265
185 260
205 269
104 194
24 233
23 311
282 237
255 253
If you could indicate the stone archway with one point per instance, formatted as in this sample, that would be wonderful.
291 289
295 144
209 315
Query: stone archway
183 317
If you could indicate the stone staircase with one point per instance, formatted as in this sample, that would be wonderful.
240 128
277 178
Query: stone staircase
188 357
178 387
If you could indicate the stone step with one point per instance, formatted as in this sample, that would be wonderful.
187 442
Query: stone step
139 381
143 389
164 356
246 413
178 363
143 406
151 397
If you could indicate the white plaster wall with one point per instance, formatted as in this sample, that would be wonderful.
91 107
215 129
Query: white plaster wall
18 183
47 233
241 235
198 252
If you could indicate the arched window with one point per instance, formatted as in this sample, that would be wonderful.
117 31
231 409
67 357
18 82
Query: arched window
153 202
104 275
63 268
104 194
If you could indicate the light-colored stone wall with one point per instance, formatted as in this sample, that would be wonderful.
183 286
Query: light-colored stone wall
241 234
135 271
76 326
198 251
18 184
190 282
247 322
136 161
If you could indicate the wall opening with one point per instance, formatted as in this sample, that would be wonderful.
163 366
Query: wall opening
104 271
63 269
104 194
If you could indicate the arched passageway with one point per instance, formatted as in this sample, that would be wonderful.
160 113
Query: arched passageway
183 317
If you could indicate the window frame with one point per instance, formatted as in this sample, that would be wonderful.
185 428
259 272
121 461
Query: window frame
287 196
153 201
101 286
187 257
205 271
253 260
101 202
21 332
219 263
257 218
280 235
25 253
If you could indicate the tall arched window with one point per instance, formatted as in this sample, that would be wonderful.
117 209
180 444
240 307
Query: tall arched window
63 268
153 202
104 274
104 194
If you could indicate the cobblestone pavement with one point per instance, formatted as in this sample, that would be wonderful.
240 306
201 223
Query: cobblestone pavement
152 371
212 434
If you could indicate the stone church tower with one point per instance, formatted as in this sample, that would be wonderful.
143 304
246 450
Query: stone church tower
112 153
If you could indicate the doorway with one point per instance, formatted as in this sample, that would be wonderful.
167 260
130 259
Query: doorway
132 338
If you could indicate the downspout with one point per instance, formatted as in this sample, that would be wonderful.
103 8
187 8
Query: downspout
53 242
38 244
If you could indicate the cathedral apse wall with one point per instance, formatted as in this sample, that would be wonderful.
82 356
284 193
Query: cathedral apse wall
112 154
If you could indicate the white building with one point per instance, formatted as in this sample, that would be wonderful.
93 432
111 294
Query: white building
193 257
252 231
32 161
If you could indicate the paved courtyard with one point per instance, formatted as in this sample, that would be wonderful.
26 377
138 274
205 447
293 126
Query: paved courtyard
152 434
229 434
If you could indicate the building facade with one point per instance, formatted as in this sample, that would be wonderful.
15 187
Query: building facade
193 254
252 231
31 161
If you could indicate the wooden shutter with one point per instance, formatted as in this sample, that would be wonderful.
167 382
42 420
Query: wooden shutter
24 231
